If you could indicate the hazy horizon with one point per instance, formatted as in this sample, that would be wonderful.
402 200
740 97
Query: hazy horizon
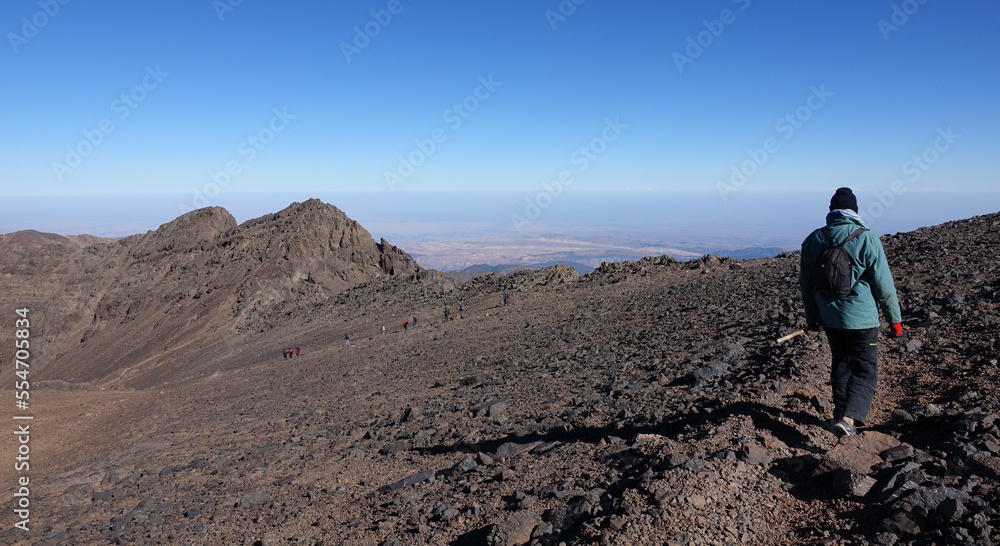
698 220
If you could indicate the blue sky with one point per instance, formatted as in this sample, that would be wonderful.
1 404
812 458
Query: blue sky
112 98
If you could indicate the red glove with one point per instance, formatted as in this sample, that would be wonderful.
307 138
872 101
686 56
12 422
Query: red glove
896 330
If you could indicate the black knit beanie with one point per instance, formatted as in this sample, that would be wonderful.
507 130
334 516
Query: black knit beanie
844 199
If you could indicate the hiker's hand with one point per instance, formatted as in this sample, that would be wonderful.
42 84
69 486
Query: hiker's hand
896 330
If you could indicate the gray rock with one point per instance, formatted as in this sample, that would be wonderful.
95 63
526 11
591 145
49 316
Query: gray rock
711 370
930 498
408 481
443 512
104 495
931 410
848 483
492 409
893 454
392 448
695 464
118 522
509 449
902 417
527 502
484 459
903 479
986 463
546 447
913 345
516 530
467 464
542 530
900 524
255 499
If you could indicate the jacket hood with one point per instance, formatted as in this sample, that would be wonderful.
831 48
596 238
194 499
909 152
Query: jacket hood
844 216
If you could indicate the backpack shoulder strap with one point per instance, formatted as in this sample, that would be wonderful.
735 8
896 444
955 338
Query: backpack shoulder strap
827 235
853 236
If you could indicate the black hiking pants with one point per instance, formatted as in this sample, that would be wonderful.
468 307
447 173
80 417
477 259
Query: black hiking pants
854 371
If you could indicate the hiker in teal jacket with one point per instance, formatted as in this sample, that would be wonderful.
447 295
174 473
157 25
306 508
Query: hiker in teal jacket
851 322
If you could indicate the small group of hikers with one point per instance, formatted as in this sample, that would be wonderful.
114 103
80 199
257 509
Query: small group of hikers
461 312
290 353
407 323
845 279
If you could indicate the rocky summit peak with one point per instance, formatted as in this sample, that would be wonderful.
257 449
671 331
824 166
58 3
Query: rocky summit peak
186 231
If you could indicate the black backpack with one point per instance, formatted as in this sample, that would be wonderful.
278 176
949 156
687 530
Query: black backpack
832 273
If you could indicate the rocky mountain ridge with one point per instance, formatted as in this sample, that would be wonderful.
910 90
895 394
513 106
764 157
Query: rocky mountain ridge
146 297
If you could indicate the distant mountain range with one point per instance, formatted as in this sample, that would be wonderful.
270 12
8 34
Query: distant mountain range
507 268
15 245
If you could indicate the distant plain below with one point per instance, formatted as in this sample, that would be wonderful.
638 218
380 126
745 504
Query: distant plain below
455 230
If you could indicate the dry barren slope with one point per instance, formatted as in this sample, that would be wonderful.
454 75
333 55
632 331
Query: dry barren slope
148 308
646 403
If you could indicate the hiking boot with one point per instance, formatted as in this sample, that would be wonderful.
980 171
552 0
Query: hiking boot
841 428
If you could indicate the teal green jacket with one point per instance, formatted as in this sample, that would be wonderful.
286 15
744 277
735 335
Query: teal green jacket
859 309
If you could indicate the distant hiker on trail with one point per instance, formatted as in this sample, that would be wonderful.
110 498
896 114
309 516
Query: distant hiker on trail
347 340
414 321
296 351
505 298
383 329
845 279
284 354
461 311
405 324
447 314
